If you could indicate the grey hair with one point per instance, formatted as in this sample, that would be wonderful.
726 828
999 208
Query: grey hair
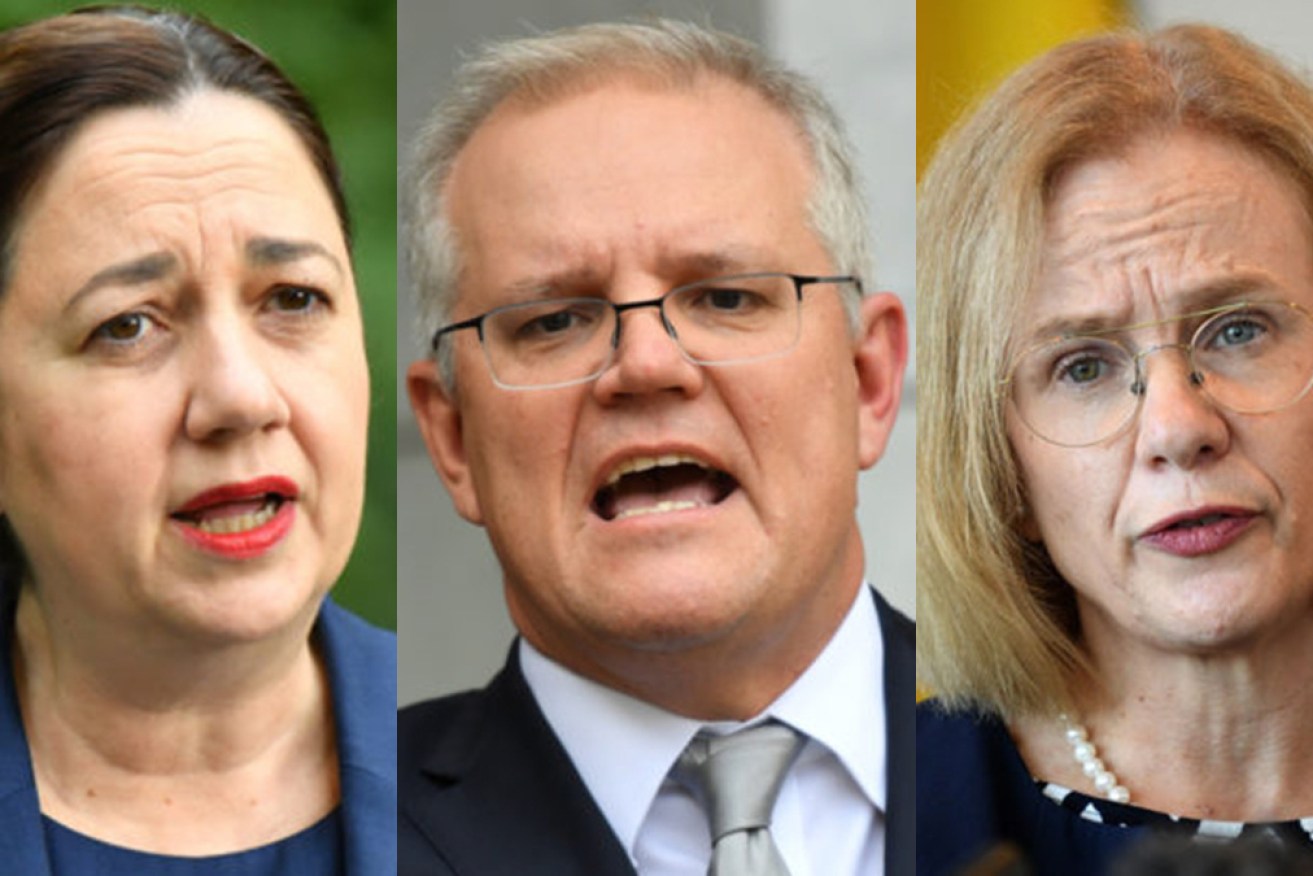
539 69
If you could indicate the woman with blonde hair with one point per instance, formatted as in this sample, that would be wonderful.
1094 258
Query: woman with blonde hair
1115 527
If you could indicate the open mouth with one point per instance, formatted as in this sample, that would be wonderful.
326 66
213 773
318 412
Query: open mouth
1199 533
235 508
231 517
1196 522
661 485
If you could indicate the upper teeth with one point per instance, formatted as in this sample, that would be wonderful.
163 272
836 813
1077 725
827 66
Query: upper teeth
646 463
238 522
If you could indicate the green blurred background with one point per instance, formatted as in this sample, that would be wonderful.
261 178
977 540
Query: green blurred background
342 53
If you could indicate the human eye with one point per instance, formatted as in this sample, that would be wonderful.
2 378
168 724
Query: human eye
727 300
123 329
553 322
1245 329
1086 368
295 299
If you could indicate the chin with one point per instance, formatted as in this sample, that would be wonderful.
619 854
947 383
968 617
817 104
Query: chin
668 636
1219 630
252 611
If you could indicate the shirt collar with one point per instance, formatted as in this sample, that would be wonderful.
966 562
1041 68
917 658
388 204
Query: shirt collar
839 700
624 747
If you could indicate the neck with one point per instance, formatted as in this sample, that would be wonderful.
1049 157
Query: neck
733 677
1219 734
172 747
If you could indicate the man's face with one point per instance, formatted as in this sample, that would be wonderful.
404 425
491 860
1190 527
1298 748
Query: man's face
626 191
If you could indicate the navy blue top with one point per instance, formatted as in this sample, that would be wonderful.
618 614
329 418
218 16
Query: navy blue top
362 674
315 851
975 796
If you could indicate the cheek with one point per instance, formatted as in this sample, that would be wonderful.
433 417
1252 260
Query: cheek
67 457
517 469
801 426
331 405
1062 491
87 439
819 411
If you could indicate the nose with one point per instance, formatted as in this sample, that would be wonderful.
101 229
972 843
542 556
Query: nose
232 385
1179 424
646 360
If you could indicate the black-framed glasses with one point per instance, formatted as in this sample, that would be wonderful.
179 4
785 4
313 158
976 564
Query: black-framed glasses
1079 389
558 342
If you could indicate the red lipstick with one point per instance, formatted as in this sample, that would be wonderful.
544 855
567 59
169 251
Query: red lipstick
1199 532
239 521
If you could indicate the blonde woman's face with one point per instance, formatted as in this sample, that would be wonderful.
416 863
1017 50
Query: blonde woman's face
182 376
1193 528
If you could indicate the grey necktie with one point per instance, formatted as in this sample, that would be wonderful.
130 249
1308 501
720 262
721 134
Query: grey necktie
740 776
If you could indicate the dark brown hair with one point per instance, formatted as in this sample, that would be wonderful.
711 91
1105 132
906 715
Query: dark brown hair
58 73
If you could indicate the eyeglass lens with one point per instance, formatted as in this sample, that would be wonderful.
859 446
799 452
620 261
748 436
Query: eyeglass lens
569 340
1250 358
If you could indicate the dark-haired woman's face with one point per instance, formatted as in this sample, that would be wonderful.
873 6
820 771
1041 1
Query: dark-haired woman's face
182 376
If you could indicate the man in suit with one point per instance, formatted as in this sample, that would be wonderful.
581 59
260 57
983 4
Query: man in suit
655 380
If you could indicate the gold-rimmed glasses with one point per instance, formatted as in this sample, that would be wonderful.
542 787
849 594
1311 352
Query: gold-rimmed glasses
1079 389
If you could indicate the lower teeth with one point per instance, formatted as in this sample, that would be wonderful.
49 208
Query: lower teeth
658 508
238 522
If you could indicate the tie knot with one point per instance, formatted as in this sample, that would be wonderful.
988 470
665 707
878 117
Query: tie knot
740 774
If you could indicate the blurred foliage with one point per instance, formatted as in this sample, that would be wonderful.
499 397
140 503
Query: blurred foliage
342 53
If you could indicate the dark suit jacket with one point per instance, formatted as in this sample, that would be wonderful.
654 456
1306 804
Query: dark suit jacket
486 789
361 663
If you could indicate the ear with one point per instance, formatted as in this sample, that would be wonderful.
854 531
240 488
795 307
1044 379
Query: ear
439 418
881 358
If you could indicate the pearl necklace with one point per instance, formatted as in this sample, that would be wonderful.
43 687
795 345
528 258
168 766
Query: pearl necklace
1105 782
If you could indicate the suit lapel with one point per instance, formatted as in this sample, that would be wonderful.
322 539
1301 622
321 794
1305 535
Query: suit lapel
504 797
361 666
22 837
899 635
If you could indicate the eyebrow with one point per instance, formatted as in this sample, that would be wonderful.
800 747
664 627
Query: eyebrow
273 251
1205 296
136 272
733 260
680 266
260 251
544 285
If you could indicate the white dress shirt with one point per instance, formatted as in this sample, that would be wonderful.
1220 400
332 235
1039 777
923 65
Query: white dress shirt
829 816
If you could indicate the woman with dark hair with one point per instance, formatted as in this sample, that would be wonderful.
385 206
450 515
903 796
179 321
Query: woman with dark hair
184 398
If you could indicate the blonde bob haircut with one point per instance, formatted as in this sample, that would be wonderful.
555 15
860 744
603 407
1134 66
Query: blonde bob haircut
538 70
998 629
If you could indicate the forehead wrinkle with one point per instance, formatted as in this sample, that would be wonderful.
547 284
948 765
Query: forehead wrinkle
1142 252
1112 233
147 171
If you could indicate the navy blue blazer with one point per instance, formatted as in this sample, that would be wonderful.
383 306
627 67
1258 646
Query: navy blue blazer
362 672
486 789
